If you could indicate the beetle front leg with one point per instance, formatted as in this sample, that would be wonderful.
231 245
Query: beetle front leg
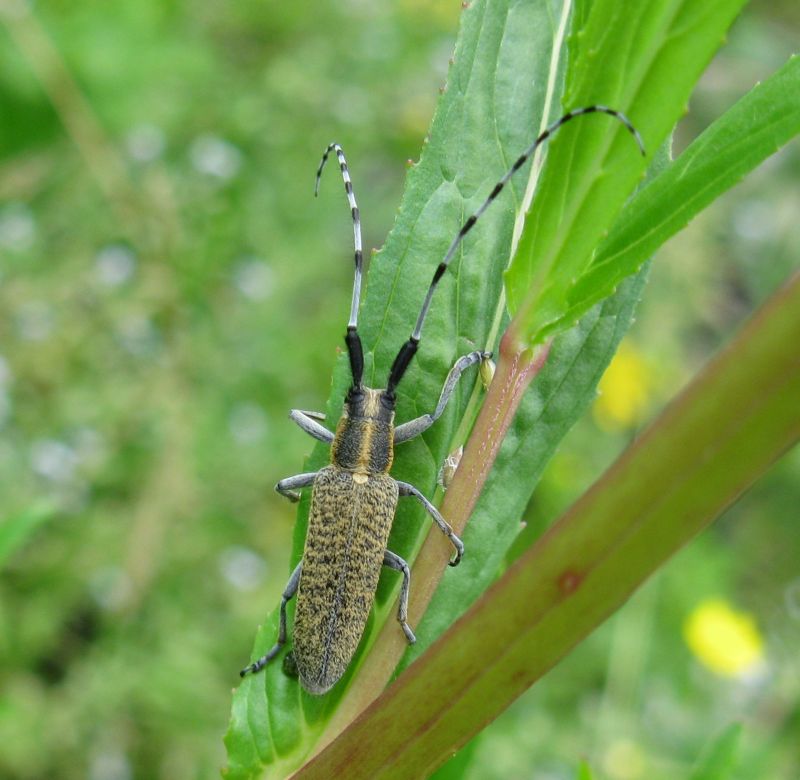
288 593
286 487
394 561
408 430
407 489
309 422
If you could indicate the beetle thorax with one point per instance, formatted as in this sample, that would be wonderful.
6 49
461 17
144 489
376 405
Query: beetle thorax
365 434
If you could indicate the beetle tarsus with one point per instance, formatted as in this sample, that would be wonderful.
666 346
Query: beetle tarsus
410 636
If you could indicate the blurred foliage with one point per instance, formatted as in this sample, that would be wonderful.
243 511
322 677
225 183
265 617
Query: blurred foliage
169 289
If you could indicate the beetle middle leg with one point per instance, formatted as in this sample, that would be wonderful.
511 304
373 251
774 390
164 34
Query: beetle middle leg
286 487
407 489
288 593
408 430
394 561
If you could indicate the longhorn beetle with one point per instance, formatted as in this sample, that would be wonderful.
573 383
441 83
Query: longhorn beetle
353 500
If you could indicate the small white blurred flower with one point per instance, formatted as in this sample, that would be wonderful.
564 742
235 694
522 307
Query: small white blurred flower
145 142
35 321
89 446
792 598
111 587
139 336
215 157
114 265
17 227
254 278
110 765
247 423
754 220
53 460
242 568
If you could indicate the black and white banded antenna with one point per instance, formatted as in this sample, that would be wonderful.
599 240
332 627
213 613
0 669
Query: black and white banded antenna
409 349
352 339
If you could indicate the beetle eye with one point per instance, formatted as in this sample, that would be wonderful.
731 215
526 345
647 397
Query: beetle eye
355 400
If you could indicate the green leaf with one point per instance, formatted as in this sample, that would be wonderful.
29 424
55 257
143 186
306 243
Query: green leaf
487 115
643 59
499 87
755 128
559 394
720 757
558 397
710 444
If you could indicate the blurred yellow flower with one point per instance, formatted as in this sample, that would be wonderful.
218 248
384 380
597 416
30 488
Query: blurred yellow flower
725 640
624 390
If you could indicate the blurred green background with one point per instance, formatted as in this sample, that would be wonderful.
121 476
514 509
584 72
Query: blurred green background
169 288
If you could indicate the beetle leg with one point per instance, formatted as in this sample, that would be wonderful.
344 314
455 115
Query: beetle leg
286 486
409 490
308 421
408 430
288 593
394 561
321 416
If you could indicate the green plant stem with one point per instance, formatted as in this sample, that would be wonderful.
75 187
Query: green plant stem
712 442
516 369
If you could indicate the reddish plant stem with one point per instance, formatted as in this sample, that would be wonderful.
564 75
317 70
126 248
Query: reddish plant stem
515 371
517 366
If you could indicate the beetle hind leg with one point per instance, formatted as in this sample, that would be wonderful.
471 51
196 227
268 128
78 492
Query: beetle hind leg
288 594
394 561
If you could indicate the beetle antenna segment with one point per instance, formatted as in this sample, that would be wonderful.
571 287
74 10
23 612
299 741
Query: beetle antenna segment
408 350
352 339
